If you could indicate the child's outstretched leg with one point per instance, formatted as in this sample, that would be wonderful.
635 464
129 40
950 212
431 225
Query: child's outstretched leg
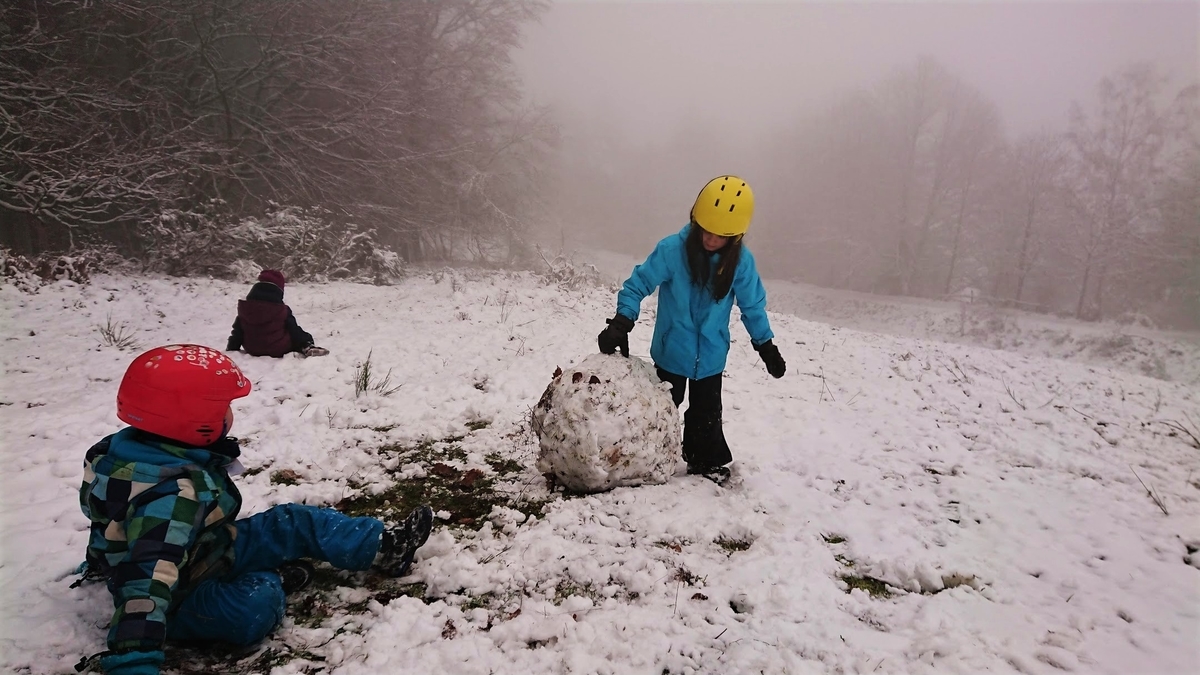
292 531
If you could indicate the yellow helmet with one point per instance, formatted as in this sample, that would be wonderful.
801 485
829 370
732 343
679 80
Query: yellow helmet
724 207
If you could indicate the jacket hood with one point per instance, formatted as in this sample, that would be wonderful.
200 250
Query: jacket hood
152 456
265 292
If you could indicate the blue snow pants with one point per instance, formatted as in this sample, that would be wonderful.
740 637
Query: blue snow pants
244 606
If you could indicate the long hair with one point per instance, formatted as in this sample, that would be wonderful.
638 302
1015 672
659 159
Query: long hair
700 266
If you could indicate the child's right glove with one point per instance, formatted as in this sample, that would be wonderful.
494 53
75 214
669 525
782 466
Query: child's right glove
770 356
615 336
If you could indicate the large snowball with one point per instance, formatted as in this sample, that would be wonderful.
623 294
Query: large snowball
605 423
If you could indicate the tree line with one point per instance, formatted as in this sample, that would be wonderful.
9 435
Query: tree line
402 119
912 187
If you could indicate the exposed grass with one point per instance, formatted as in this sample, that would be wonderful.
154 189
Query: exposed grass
318 602
875 587
118 334
688 577
285 477
217 658
732 545
367 380
1189 431
476 425
833 538
568 587
326 578
1152 493
503 465
467 494
483 601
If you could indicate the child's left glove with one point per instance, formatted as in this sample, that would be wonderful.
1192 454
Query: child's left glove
770 356
132 663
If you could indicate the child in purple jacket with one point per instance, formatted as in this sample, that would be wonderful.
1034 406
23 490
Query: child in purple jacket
265 326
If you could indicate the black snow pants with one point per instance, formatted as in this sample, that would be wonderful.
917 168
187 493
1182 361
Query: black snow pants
703 438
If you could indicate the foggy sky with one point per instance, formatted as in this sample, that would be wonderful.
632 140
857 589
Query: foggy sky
649 67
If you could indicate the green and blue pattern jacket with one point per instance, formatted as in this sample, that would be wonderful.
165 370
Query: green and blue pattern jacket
162 521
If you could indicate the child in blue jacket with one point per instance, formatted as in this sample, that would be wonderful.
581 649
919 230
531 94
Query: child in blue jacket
699 273
165 534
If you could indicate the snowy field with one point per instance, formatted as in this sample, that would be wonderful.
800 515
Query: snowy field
900 504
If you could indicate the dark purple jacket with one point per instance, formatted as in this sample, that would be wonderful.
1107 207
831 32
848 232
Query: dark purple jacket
265 326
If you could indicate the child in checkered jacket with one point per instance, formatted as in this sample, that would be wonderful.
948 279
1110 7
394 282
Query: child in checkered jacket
165 532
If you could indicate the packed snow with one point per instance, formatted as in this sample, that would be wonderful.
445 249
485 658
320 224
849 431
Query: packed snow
605 423
899 505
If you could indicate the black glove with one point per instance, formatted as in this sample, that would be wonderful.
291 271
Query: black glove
770 356
616 336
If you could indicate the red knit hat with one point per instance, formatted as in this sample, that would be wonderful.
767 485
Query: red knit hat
272 277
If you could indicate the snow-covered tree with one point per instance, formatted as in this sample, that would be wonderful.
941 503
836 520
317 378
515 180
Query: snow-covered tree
403 117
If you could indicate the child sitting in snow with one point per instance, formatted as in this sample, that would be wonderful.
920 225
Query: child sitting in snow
164 529
265 326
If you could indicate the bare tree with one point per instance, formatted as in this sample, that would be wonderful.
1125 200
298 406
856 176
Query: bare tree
977 141
881 191
1173 268
1031 193
832 194
918 141
912 99
74 151
1119 153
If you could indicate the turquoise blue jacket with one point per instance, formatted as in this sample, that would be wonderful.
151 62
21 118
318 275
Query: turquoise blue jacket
691 332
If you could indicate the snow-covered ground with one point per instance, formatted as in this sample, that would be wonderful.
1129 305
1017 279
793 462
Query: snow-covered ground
989 497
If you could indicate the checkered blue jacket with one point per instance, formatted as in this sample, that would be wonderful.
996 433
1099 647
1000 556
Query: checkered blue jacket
162 521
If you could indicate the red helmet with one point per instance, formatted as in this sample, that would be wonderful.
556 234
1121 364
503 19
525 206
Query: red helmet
180 392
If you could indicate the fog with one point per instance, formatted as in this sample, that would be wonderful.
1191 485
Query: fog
654 98
647 67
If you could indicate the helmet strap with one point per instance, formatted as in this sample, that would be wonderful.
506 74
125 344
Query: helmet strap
226 446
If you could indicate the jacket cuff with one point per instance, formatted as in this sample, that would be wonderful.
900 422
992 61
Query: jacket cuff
621 321
132 663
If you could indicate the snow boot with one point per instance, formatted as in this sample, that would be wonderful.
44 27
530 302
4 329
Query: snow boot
400 543
717 474
296 575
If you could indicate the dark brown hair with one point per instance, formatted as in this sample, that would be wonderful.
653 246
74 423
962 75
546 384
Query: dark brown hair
700 266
